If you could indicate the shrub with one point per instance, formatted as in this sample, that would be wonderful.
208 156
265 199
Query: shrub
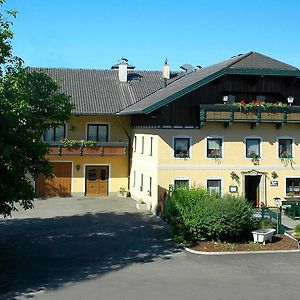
193 214
297 230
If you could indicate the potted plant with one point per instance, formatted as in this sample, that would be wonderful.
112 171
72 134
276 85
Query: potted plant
123 191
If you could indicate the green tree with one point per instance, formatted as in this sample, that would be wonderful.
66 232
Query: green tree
30 104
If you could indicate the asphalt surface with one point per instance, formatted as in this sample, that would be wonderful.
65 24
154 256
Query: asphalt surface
105 249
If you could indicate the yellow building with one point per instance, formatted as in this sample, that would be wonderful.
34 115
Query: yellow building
232 127
94 159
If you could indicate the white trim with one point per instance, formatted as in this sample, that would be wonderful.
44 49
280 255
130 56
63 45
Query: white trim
206 145
182 136
215 178
97 123
284 187
260 146
285 137
182 178
97 165
227 167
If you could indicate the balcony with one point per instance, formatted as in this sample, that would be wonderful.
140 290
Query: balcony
229 114
100 149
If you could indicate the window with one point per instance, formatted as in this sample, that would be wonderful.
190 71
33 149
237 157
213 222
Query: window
150 187
97 132
253 148
214 147
142 182
181 182
143 141
285 148
55 134
134 143
151 146
292 186
181 147
214 186
134 177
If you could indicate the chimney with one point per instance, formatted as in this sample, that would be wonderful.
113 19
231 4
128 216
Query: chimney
123 69
166 70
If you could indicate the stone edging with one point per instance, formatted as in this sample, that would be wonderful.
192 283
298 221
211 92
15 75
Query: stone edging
240 252
243 252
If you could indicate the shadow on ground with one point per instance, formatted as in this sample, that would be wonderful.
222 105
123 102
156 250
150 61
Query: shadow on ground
38 254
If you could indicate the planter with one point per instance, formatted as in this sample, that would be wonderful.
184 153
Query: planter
95 150
263 235
141 206
70 150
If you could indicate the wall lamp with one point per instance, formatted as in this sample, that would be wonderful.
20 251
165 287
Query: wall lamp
225 99
290 100
77 167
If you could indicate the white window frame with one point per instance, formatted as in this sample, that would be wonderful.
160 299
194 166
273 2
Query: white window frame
285 137
142 182
134 178
182 136
206 145
290 177
143 145
134 143
151 146
182 178
150 191
52 142
216 178
98 123
260 146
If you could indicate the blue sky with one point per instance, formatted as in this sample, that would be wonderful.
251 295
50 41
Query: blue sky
96 33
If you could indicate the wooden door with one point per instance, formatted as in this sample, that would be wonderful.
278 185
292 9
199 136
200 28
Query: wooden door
96 181
57 185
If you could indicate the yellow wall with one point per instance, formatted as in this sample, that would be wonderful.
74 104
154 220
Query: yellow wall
199 168
77 127
118 165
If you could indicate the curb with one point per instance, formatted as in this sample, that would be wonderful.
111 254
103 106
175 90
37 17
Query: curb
239 252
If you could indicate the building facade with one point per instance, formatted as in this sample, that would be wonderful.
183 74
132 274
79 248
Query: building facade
232 127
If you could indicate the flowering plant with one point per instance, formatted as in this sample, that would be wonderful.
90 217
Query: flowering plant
78 143
71 143
258 104
285 154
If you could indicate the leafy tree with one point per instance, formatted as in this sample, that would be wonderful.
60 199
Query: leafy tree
30 104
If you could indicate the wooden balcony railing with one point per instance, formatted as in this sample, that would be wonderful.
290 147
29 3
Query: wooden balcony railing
230 114
100 149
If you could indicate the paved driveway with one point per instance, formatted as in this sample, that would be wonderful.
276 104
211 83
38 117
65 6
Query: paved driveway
104 249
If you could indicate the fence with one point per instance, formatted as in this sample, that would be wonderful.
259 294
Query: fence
273 213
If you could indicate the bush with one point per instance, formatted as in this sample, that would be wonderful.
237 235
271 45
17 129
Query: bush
193 215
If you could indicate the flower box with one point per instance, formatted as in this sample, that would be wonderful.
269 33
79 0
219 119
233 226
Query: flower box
70 151
263 235
94 150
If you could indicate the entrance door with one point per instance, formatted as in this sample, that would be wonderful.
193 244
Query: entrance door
252 192
96 181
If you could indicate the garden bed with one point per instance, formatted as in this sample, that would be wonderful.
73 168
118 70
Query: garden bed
279 242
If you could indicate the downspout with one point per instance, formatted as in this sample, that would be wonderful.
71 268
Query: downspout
128 152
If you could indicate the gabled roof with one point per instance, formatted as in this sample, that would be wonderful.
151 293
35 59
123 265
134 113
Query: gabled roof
98 92
251 63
